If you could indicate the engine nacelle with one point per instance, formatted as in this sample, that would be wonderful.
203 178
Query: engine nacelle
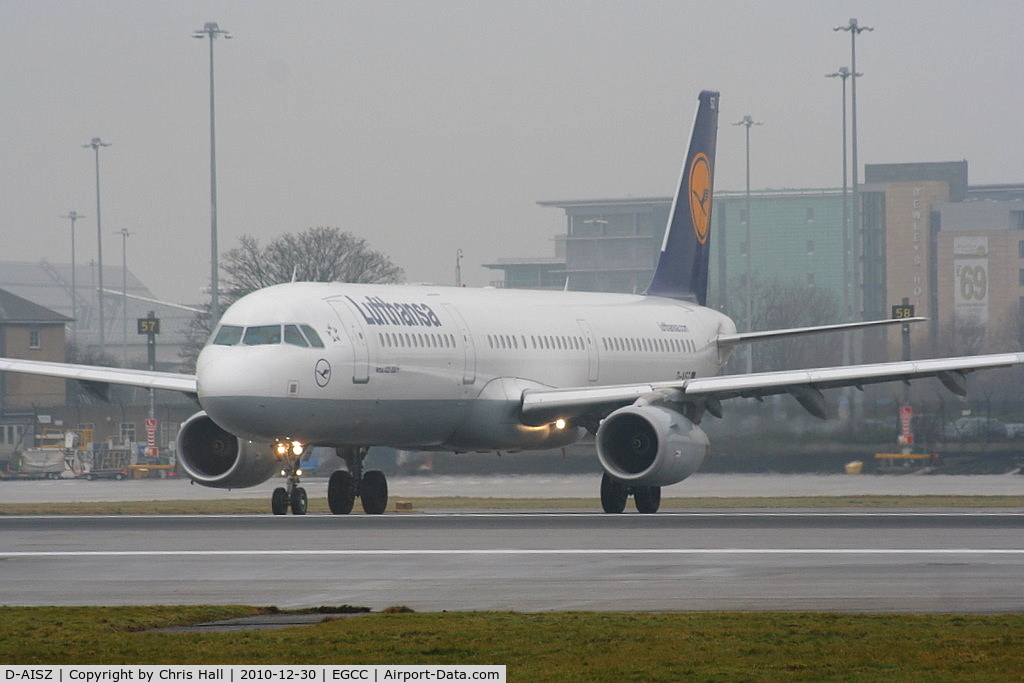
650 446
219 459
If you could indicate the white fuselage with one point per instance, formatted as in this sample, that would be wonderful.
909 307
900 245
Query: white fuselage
435 367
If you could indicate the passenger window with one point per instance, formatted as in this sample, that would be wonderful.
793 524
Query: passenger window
228 335
294 337
312 336
261 335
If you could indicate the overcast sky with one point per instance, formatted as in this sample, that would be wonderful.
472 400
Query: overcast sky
428 127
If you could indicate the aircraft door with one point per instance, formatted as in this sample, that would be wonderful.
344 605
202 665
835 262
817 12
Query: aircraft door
356 332
593 360
468 348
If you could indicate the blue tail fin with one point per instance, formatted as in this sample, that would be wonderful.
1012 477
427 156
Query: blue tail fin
682 271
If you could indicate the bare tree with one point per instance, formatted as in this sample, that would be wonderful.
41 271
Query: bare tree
320 254
779 304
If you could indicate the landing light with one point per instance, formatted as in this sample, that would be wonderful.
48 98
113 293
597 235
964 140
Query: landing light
284 448
559 423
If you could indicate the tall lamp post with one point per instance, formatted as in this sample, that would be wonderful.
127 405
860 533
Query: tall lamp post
748 121
211 30
125 234
855 30
96 143
843 74
73 216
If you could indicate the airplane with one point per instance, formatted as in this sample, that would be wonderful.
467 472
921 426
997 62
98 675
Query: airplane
351 366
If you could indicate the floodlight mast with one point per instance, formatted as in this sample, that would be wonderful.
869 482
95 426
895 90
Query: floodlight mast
855 30
96 143
73 216
749 121
211 30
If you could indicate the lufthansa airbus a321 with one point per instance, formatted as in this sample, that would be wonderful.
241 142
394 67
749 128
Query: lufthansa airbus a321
443 368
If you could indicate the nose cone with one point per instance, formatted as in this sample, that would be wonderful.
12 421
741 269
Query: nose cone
238 388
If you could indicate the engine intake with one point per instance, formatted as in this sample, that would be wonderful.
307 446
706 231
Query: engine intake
650 446
218 459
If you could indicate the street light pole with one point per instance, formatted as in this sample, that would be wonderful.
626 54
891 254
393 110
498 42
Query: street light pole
855 29
73 216
843 74
96 143
123 232
748 121
211 30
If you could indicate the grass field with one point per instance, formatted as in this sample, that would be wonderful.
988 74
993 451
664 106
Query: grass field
548 646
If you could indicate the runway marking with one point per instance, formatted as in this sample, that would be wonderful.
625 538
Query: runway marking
514 551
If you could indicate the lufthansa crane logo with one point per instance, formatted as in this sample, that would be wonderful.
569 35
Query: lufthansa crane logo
700 196
322 372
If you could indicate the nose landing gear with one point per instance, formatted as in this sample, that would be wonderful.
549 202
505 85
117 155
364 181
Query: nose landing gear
291 495
344 486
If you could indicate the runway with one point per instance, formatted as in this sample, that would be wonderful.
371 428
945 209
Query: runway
919 561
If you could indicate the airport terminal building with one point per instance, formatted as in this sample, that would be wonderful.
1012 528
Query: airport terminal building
953 250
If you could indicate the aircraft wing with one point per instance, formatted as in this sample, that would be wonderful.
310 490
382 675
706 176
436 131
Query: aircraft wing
543 406
94 374
727 340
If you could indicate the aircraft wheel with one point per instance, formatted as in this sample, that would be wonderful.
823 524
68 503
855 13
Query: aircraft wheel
300 502
374 492
279 501
613 494
647 499
341 492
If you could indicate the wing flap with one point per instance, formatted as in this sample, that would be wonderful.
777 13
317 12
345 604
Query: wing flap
781 382
542 406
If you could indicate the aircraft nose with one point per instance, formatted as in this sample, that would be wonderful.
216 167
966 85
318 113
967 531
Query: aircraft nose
235 388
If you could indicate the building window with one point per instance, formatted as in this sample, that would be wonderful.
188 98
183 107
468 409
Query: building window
810 214
810 247
1020 277
127 432
34 341
1020 249
1017 220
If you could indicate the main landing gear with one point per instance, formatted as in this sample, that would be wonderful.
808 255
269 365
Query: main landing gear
292 495
346 485
614 494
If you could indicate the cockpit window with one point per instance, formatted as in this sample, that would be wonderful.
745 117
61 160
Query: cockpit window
312 336
262 334
228 335
294 337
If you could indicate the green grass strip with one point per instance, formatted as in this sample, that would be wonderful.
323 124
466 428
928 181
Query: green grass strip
561 646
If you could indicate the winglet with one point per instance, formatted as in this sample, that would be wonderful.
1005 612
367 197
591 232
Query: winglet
682 271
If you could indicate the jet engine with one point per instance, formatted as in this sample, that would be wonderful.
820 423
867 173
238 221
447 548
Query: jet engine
219 459
648 445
